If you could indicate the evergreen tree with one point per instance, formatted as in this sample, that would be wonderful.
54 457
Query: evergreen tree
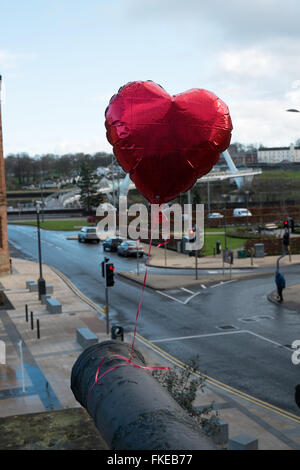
88 188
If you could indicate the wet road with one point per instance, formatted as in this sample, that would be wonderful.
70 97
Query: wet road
240 337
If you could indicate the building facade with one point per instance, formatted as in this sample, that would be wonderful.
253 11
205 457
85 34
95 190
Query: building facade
279 154
4 249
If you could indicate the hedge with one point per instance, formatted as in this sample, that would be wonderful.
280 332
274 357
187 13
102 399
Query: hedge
274 246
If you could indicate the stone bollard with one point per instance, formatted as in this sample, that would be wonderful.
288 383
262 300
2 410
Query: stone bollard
242 442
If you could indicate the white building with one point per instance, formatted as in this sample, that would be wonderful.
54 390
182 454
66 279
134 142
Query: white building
278 154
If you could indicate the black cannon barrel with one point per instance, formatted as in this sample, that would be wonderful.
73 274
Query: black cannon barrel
130 408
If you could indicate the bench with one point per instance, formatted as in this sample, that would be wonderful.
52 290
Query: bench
33 287
53 306
28 283
243 442
85 337
44 298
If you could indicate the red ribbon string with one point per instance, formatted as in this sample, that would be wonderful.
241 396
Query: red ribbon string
129 361
141 299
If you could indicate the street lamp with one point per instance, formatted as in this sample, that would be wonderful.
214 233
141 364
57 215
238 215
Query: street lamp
225 197
247 204
41 281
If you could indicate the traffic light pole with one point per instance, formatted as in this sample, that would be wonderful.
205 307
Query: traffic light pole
109 282
106 293
41 281
196 264
107 310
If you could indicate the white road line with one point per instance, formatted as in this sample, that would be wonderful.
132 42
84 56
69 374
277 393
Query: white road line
194 294
222 283
197 336
170 297
187 290
191 297
267 339
180 338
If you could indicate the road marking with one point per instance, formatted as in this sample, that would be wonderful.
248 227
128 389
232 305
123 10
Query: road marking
216 383
194 294
195 336
187 290
267 339
191 297
170 297
183 302
222 283
180 338
76 291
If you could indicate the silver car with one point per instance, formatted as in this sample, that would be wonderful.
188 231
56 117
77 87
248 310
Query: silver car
88 234
130 248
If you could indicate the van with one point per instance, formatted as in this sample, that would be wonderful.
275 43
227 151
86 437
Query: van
241 212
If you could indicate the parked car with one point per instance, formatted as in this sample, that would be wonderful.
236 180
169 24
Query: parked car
111 244
130 248
215 215
88 234
241 212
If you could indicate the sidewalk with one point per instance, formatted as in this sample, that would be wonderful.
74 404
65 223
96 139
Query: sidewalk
242 268
48 362
182 261
291 297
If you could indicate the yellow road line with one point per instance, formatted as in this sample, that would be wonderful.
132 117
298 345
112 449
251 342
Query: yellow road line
177 362
221 385
77 291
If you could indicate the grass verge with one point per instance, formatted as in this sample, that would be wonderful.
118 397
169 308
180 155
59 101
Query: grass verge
56 224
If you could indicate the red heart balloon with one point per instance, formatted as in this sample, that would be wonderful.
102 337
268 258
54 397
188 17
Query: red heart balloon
166 142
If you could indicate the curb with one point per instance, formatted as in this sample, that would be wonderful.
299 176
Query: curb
76 291
200 268
271 298
288 304
177 286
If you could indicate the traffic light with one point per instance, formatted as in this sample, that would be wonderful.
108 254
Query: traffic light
110 274
286 223
192 235
102 266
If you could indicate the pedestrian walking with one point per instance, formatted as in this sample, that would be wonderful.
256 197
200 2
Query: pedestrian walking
280 284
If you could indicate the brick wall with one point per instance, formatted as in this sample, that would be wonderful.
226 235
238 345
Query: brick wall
4 250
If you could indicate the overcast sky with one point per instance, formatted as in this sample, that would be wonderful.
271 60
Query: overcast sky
62 60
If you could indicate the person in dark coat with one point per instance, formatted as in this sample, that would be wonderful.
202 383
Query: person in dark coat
280 283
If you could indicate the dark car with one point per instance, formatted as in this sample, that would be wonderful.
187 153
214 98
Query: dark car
111 244
130 248
88 234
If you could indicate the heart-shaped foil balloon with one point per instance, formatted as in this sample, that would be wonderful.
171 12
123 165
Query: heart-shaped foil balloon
166 142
